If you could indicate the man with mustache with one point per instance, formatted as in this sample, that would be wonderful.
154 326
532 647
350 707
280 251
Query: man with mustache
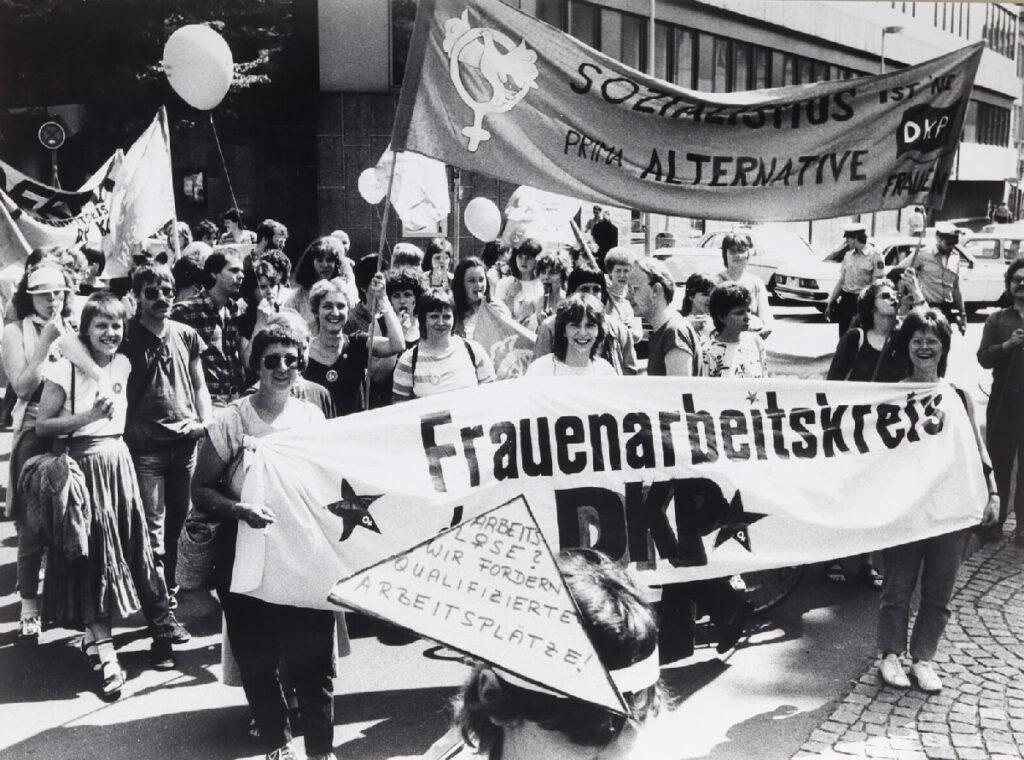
168 409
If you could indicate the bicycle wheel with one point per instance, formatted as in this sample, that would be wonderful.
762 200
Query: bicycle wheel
767 589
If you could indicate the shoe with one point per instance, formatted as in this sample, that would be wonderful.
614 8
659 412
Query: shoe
927 679
728 633
30 629
91 655
175 632
172 601
835 573
161 655
988 533
282 753
112 679
892 672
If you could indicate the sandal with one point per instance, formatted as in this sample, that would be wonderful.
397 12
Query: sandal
112 680
835 573
872 577
91 655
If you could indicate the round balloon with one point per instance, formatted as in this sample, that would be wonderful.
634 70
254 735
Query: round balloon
368 187
199 66
483 220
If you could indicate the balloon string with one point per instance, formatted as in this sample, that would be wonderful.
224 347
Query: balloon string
224 164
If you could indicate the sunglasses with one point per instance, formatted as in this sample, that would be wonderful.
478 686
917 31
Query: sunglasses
274 361
886 295
141 259
153 292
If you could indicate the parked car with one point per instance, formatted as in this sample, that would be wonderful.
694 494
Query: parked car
981 270
773 247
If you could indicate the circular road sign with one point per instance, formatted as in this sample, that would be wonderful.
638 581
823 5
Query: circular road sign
51 135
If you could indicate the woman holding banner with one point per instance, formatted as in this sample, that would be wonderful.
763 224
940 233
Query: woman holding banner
579 332
471 290
924 338
440 362
263 635
336 360
499 715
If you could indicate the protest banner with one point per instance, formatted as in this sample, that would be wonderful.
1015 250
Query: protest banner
508 343
35 215
490 588
684 478
143 197
490 89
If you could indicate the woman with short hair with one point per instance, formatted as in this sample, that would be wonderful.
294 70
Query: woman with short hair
338 361
736 250
323 259
441 362
733 351
579 332
695 309
262 635
932 563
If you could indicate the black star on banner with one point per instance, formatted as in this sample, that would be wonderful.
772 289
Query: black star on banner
752 398
354 510
736 524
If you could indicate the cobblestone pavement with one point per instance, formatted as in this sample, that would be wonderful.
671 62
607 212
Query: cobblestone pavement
980 713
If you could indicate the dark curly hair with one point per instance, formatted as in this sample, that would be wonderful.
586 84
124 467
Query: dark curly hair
624 631
404 278
1016 264
276 260
925 319
22 299
866 301
725 298
696 283
572 311
494 251
305 272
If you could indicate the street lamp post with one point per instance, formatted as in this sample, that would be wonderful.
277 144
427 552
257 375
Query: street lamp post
881 70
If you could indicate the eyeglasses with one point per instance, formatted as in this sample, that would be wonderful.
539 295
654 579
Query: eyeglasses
153 292
141 259
886 295
274 361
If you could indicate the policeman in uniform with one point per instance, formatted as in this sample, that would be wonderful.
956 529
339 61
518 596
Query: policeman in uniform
936 270
862 264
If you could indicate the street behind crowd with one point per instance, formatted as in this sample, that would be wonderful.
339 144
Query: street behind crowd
802 681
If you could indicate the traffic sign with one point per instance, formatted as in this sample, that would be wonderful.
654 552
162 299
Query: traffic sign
52 135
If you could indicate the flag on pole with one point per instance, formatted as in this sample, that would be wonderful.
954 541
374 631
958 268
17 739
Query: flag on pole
508 343
419 193
143 198
490 89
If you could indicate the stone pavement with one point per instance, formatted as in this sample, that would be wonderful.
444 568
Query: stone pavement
980 713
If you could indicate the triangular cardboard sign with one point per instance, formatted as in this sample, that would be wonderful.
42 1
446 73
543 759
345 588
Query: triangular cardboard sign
489 587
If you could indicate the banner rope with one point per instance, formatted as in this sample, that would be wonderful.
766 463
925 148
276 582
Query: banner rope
224 164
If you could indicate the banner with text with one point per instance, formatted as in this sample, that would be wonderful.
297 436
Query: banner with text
491 89
530 627
684 478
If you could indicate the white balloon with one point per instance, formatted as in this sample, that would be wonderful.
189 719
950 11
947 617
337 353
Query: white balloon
369 188
483 220
199 65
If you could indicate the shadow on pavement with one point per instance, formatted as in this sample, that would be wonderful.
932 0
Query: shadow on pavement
403 723
752 732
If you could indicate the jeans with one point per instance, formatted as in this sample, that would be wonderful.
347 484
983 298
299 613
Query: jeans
263 636
164 478
937 560
1008 467
31 545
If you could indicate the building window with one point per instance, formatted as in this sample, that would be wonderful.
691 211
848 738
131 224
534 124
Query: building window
634 42
804 71
740 66
720 78
662 45
552 11
789 71
970 131
1000 30
778 68
993 125
685 54
584 25
705 62
762 69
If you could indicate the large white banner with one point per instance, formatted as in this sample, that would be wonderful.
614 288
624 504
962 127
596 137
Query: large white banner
682 478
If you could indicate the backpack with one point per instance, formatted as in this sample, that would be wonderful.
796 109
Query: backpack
416 357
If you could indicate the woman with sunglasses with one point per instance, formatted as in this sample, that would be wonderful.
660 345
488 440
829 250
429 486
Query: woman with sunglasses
933 563
30 347
263 635
867 352
338 361
501 716
90 424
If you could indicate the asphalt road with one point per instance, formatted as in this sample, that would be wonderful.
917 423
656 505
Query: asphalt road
761 701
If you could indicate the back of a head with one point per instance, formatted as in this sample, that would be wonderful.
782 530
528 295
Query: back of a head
624 631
